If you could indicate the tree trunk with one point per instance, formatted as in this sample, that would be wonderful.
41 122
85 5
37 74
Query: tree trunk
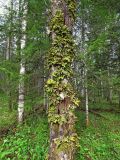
62 101
85 70
22 68
86 98
9 50
102 89
109 87
119 98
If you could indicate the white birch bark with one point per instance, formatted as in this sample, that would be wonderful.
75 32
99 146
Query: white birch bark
84 38
22 69
84 80
86 98
9 38
8 49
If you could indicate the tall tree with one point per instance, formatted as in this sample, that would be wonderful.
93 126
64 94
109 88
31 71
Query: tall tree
22 5
62 101
9 46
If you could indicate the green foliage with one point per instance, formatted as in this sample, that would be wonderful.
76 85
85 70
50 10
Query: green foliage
100 141
29 142
7 118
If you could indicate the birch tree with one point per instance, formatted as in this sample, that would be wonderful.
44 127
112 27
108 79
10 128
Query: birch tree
22 63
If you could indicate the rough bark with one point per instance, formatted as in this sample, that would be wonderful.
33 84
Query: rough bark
61 96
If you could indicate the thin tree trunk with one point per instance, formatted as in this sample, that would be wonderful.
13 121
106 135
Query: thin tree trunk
102 90
109 87
86 99
9 50
119 98
83 83
85 70
22 69
45 93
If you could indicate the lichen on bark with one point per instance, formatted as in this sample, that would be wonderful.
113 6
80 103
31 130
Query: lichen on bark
62 99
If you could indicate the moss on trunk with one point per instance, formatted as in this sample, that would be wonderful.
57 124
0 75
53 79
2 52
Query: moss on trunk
62 99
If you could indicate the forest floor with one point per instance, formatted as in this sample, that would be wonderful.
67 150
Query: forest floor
99 141
7 118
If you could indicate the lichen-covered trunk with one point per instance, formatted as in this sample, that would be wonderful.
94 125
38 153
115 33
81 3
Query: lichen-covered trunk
62 101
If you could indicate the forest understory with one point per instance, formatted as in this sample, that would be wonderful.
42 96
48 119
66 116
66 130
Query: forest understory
99 141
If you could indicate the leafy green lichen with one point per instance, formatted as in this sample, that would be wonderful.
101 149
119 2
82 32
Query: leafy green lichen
60 58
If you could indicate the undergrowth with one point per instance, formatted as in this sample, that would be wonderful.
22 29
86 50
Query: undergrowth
101 140
7 118
30 141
